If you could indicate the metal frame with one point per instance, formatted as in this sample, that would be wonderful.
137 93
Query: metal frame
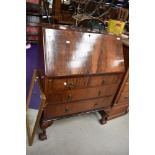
42 104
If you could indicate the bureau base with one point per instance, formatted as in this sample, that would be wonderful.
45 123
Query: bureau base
44 124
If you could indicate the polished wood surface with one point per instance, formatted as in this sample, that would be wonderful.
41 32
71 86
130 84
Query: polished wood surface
80 94
76 107
75 53
82 72
70 83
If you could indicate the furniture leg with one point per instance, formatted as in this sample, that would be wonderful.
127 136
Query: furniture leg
43 126
104 116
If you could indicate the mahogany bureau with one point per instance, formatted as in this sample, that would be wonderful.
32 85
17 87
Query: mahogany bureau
81 72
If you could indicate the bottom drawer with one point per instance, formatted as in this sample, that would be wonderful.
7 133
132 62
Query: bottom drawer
118 111
52 111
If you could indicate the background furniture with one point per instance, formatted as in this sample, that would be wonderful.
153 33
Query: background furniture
37 12
33 21
64 10
80 72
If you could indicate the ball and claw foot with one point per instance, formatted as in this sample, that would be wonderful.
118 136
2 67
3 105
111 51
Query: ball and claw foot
104 118
43 126
43 136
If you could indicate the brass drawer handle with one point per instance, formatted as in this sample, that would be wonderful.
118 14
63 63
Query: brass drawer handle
99 93
72 85
69 97
96 104
66 110
103 82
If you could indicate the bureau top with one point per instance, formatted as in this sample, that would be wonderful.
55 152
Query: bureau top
68 52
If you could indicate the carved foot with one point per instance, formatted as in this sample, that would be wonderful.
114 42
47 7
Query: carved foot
104 118
43 136
43 126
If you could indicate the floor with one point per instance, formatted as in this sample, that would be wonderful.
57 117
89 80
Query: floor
83 135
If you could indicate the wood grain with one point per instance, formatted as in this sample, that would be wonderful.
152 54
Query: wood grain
75 53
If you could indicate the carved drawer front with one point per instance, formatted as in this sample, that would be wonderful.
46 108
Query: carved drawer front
80 94
104 79
124 98
77 107
67 83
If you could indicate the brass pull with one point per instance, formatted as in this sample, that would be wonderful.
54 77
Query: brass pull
66 110
72 85
99 93
103 81
95 104
69 97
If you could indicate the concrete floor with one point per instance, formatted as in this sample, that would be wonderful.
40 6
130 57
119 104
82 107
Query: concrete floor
83 135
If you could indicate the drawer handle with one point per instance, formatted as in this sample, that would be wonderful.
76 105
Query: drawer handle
69 97
99 93
95 104
103 82
66 110
72 85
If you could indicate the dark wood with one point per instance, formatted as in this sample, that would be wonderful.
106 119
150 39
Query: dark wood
43 126
81 53
82 72
104 116
80 94
54 111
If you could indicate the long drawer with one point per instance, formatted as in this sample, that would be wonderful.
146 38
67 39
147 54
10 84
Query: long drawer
53 111
81 82
57 97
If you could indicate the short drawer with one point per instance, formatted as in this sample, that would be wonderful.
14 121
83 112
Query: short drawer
66 83
57 97
104 79
53 111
